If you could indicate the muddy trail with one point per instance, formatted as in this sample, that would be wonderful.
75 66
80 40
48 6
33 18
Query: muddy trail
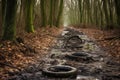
74 56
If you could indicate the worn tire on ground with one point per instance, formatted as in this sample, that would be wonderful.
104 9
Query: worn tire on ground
60 71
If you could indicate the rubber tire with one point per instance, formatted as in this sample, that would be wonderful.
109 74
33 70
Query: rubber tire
77 37
72 73
72 37
77 58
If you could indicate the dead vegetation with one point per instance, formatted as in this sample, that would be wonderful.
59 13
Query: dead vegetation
109 40
28 49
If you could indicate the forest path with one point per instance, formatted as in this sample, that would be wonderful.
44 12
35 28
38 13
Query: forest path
101 68
98 67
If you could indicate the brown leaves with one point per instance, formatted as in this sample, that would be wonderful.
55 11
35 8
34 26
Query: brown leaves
14 53
112 46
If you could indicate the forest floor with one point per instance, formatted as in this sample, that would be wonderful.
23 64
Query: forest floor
109 40
31 48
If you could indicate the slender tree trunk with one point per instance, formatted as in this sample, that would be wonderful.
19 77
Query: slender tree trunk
43 13
3 8
9 28
29 16
110 11
101 15
51 15
60 13
55 6
117 4
106 11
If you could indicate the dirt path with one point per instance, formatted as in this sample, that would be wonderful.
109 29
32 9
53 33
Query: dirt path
95 67
101 68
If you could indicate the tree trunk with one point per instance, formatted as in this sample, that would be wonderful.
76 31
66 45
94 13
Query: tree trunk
43 13
51 15
55 8
9 28
105 7
60 13
117 4
29 16
3 8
